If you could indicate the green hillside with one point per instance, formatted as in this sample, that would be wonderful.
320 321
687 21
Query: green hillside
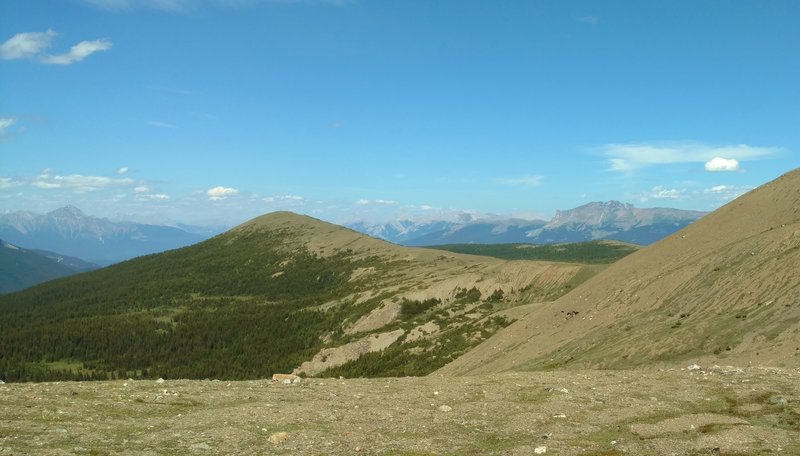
592 252
264 298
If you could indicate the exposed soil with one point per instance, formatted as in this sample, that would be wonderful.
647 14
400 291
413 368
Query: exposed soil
638 412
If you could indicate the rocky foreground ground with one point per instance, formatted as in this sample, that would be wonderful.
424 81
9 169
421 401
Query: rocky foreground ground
682 411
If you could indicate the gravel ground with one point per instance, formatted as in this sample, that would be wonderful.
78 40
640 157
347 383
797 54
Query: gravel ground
681 411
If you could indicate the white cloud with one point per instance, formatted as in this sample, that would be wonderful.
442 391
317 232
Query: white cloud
78 52
660 192
6 123
7 182
157 124
379 202
728 192
630 157
31 44
425 207
283 199
26 45
152 197
220 193
123 170
77 182
527 181
142 189
722 164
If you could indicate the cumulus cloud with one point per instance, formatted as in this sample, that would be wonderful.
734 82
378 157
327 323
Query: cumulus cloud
26 45
221 193
78 52
284 199
142 189
123 170
527 181
630 157
722 164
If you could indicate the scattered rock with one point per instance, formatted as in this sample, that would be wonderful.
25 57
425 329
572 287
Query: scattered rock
540 450
559 415
694 367
160 381
278 437
298 380
445 408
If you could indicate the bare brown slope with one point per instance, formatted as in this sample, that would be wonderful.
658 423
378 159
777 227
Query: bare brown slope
725 290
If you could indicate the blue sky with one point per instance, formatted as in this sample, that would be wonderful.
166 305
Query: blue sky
215 111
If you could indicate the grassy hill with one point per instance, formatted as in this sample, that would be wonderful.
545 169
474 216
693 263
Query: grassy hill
282 292
591 252
725 290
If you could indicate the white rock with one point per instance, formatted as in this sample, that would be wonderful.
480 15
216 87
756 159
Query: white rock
540 450
559 415
201 446
694 367
445 408
160 381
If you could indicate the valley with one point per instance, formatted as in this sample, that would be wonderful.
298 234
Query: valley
280 293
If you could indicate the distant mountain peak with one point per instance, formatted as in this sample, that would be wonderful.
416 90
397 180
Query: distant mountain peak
67 211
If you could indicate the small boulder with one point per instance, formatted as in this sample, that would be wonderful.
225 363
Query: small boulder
160 381
445 408
540 450
278 437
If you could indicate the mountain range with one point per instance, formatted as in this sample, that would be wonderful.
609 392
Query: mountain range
285 292
70 232
610 220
